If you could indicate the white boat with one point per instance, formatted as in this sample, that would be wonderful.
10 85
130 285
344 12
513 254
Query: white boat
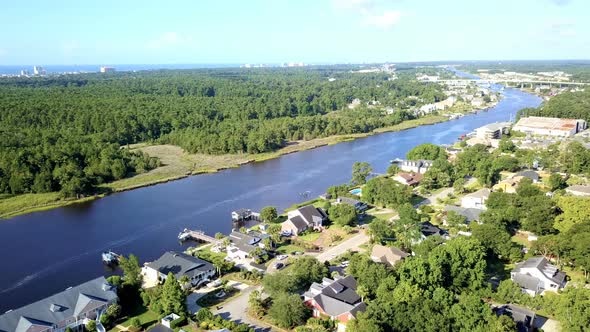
109 257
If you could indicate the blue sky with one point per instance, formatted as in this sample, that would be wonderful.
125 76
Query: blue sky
274 31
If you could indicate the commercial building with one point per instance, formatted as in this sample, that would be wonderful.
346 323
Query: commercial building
542 126
107 69
493 130
71 308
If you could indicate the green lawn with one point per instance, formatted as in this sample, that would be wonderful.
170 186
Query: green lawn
146 317
289 248
20 204
310 237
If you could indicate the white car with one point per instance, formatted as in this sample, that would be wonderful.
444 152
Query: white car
281 257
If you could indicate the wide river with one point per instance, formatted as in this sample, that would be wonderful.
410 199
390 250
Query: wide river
46 252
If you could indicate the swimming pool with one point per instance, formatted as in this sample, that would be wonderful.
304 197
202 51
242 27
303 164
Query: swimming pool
356 191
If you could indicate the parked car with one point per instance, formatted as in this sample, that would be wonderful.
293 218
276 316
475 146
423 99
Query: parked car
298 253
279 266
281 257
214 283
344 264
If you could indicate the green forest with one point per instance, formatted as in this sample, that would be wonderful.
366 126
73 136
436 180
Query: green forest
65 133
573 105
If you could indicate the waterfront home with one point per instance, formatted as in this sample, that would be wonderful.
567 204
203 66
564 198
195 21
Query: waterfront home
409 179
387 255
413 166
578 190
243 244
335 298
524 318
358 205
180 264
303 218
73 308
476 200
536 275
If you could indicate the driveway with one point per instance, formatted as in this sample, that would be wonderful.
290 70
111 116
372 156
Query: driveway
353 243
235 310
433 199
191 300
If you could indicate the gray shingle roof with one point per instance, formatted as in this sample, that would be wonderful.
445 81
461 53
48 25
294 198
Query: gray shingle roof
336 297
523 317
471 214
310 213
482 193
528 174
180 264
66 304
299 223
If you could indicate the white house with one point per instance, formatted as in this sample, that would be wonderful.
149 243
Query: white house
303 218
413 166
536 275
180 264
476 200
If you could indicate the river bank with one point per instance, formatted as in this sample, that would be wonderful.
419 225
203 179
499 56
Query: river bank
176 165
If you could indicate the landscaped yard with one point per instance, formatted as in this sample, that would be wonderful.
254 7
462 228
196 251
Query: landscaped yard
146 317
310 237
211 299
289 249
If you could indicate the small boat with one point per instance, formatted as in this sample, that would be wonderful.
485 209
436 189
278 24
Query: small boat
109 257
184 235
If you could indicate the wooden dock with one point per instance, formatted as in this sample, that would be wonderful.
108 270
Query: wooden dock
197 235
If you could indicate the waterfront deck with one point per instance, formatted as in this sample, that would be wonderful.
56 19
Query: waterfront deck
196 235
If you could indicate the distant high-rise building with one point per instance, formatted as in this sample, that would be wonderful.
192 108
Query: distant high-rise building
38 70
104 69
24 72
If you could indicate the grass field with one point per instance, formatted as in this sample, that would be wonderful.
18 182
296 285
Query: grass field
177 164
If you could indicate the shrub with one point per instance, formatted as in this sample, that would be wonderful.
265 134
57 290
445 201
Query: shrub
91 326
135 322
180 321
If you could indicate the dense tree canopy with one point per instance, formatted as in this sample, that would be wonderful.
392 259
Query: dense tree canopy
63 133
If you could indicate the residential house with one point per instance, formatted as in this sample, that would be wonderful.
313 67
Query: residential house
413 166
180 264
476 200
427 229
358 205
470 214
387 255
536 275
534 176
303 218
524 318
243 244
71 308
578 190
508 186
336 299
409 179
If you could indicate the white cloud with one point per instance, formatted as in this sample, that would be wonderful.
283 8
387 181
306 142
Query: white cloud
385 20
168 39
354 4
560 2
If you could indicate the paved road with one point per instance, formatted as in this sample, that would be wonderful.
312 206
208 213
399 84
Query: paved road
353 243
235 310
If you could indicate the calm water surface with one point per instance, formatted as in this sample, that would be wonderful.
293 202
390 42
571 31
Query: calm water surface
45 252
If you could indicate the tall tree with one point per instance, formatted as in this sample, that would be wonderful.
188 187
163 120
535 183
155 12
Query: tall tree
360 172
